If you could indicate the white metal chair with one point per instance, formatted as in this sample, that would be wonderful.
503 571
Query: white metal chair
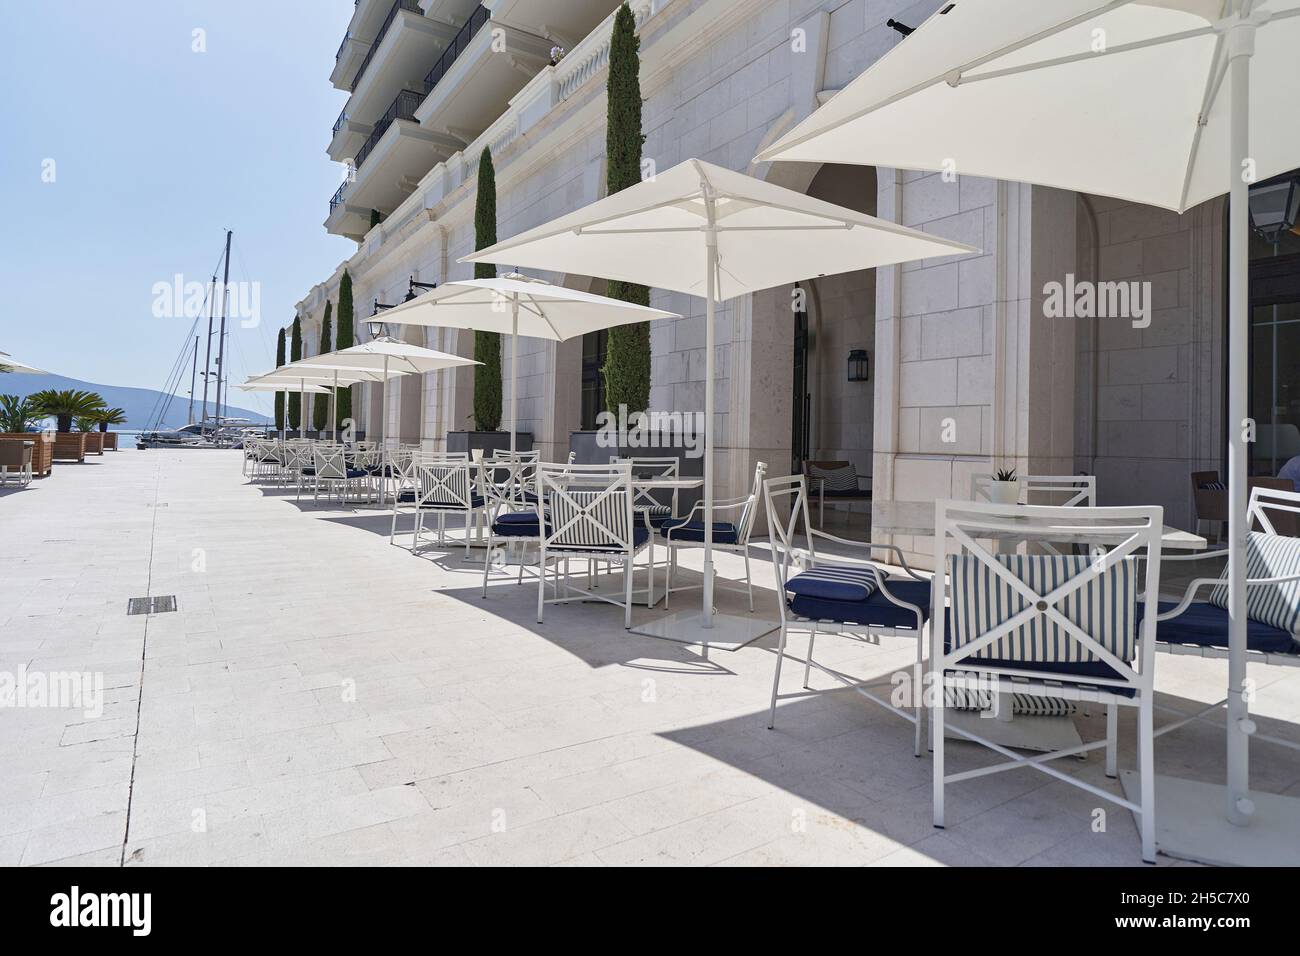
849 597
590 518
1046 625
1200 628
730 536
332 471
443 486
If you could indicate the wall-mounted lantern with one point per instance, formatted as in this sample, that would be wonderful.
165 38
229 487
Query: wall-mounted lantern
859 362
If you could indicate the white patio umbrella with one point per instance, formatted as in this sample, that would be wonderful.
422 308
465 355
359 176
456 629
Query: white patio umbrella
704 230
517 305
291 378
10 364
251 386
1164 102
384 357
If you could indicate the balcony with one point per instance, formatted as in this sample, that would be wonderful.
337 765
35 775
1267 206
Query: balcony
568 21
346 62
406 42
347 137
387 167
471 82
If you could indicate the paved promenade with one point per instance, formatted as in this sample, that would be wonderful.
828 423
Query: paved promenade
320 697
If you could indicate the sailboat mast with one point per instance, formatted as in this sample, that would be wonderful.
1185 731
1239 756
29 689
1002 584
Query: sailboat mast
194 370
207 352
221 340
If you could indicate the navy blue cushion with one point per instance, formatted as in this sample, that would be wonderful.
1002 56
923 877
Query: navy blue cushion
639 537
1081 671
475 501
724 532
386 470
848 493
358 473
517 524
836 582
875 611
307 470
1205 625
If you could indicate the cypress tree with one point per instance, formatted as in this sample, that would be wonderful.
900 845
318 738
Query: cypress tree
279 396
627 354
345 340
320 412
487 345
295 353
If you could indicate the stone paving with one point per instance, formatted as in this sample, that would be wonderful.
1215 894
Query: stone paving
321 697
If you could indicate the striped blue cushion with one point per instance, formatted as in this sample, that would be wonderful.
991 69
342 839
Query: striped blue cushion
1105 608
594 519
1278 605
834 479
834 582
1026 705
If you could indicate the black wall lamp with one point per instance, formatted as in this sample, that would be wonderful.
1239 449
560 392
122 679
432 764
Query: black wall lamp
413 285
859 365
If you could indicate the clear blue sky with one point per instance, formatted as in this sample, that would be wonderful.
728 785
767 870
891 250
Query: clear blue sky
157 150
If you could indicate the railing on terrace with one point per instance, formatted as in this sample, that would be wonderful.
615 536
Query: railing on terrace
338 123
402 108
411 6
480 16
346 38
337 198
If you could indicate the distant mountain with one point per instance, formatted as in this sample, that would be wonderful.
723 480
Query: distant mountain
140 404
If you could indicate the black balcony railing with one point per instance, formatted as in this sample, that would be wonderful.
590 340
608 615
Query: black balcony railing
338 123
411 6
342 46
337 198
403 108
457 46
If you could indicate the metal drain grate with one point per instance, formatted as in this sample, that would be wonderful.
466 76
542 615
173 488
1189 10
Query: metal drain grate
151 605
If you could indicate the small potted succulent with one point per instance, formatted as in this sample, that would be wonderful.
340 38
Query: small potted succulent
1004 489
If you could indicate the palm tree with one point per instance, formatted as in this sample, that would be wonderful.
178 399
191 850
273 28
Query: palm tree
18 414
110 416
85 423
66 404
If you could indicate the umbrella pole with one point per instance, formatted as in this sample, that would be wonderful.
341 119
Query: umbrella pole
711 239
514 369
1241 46
383 436
302 408
334 396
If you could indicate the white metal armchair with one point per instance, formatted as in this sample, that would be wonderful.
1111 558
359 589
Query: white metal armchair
1200 628
590 518
732 536
1046 625
849 597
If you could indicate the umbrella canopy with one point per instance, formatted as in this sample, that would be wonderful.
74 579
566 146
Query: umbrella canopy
654 233
10 364
282 387
708 231
1163 102
384 356
1124 99
518 305
544 311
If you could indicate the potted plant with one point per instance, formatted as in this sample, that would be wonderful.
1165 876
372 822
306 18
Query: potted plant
110 416
88 425
1004 489
65 405
19 420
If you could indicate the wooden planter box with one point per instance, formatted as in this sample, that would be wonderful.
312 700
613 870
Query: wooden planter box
70 446
94 443
110 441
42 459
